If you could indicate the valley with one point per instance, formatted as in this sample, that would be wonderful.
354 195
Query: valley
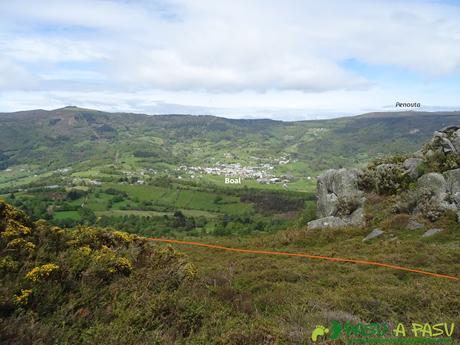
165 175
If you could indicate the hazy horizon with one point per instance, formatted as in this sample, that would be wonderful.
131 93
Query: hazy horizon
313 117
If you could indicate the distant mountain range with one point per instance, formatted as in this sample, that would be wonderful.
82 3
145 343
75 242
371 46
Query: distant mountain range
85 137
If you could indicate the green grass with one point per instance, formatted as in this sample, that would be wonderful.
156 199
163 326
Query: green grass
97 203
17 178
184 198
199 213
131 212
143 193
193 213
66 215
302 185
222 208
287 297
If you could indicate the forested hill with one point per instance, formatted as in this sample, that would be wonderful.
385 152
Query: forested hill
72 135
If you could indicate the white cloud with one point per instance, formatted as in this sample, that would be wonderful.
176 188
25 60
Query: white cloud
43 50
167 70
14 77
248 51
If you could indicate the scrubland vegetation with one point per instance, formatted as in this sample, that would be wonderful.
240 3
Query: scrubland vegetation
105 286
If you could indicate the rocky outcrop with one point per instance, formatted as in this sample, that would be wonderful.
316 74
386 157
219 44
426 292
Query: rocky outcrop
412 165
453 187
445 141
431 177
335 189
437 193
339 200
453 183
442 152
455 139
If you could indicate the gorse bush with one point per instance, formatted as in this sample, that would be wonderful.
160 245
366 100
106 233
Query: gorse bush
384 179
393 159
47 272
42 272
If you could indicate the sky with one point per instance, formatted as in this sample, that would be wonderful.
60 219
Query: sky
287 60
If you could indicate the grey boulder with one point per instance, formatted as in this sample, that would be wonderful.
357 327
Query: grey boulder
373 234
434 187
452 178
414 225
411 165
456 140
431 232
333 186
326 222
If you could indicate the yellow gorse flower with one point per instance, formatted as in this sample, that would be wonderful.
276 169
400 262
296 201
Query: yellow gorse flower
41 272
15 229
20 243
23 297
85 250
122 236
8 264
123 265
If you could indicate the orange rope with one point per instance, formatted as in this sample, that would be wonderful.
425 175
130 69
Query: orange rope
318 257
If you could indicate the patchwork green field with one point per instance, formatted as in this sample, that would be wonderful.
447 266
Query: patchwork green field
174 207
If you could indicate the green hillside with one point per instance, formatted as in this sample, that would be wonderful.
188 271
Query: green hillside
99 286
86 138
